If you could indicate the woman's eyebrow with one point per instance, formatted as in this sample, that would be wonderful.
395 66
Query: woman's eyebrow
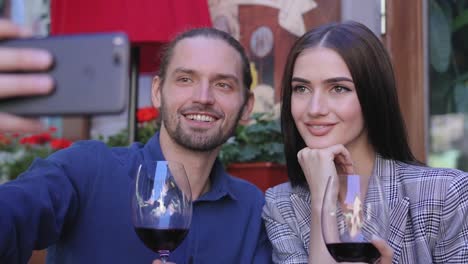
299 79
339 79
330 80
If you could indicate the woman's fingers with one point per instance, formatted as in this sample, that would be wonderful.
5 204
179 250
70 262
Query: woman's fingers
342 159
385 250
12 85
331 160
10 123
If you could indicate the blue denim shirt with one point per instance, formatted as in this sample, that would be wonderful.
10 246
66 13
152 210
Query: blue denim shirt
77 203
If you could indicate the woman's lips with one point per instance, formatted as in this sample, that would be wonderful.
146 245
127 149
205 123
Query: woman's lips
319 130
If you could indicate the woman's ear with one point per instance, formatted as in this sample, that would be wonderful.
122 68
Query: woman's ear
156 92
247 110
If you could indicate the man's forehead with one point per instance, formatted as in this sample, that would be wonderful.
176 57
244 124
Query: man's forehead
200 52
204 42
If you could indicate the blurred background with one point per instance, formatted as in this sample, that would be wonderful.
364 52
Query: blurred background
426 39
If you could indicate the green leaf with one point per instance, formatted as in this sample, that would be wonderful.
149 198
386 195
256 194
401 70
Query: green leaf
440 92
461 97
259 141
439 38
461 78
460 21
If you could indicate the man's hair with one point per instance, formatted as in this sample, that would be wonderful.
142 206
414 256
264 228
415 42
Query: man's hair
213 34
372 73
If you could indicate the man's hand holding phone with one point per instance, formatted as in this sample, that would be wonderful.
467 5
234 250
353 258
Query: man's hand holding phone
13 85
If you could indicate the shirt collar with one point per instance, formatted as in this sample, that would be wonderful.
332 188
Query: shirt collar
220 180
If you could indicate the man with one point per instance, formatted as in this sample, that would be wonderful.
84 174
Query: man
21 85
79 199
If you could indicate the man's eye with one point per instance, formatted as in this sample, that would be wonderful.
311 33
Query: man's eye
183 79
223 85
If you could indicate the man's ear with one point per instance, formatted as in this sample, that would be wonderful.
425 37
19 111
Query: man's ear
245 116
156 91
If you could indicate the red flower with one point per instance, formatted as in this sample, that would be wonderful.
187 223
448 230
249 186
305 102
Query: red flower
146 114
38 139
60 143
4 140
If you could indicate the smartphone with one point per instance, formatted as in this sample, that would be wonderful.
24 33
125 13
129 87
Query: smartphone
90 72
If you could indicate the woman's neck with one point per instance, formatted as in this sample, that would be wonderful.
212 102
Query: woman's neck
363 156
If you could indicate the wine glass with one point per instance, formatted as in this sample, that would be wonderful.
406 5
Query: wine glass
161 205
354 212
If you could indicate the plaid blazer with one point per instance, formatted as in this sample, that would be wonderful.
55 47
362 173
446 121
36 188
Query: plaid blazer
428 215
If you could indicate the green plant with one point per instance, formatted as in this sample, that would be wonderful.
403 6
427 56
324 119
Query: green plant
448 80
259 141
147 125
448 35
17 151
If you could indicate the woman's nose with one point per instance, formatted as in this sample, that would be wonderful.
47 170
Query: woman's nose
318 104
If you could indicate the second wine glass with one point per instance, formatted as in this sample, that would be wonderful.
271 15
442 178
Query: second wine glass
161 206
354 213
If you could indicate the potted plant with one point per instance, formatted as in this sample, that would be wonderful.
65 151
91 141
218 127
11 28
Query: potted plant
147 124
18 151
256 153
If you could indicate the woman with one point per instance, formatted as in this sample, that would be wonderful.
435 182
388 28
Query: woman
340 115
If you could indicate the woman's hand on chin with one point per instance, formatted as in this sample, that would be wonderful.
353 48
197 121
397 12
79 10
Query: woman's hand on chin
319 165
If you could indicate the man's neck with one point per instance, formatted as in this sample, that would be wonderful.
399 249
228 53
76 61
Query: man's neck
198 165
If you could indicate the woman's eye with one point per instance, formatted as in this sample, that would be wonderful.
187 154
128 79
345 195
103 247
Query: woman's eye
299 89
340 89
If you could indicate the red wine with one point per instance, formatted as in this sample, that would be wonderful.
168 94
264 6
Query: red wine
353 252
161 239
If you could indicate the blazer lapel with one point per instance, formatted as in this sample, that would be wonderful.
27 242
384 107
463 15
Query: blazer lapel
398 221
300 200
398 204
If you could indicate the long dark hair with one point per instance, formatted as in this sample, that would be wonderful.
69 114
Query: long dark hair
372 73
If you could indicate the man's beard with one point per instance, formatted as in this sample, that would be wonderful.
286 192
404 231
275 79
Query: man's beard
196 141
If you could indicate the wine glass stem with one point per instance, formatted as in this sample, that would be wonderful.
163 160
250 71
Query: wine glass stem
164 255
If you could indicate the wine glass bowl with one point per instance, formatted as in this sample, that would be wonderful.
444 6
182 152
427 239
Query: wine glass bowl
354 213
161 205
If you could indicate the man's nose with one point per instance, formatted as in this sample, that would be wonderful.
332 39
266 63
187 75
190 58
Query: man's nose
203 93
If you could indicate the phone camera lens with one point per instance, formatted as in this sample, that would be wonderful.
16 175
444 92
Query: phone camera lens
117 58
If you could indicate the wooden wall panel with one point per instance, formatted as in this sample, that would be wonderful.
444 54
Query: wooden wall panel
405 41
253 16
327 11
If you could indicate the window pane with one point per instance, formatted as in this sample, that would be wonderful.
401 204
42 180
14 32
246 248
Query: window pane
448 76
